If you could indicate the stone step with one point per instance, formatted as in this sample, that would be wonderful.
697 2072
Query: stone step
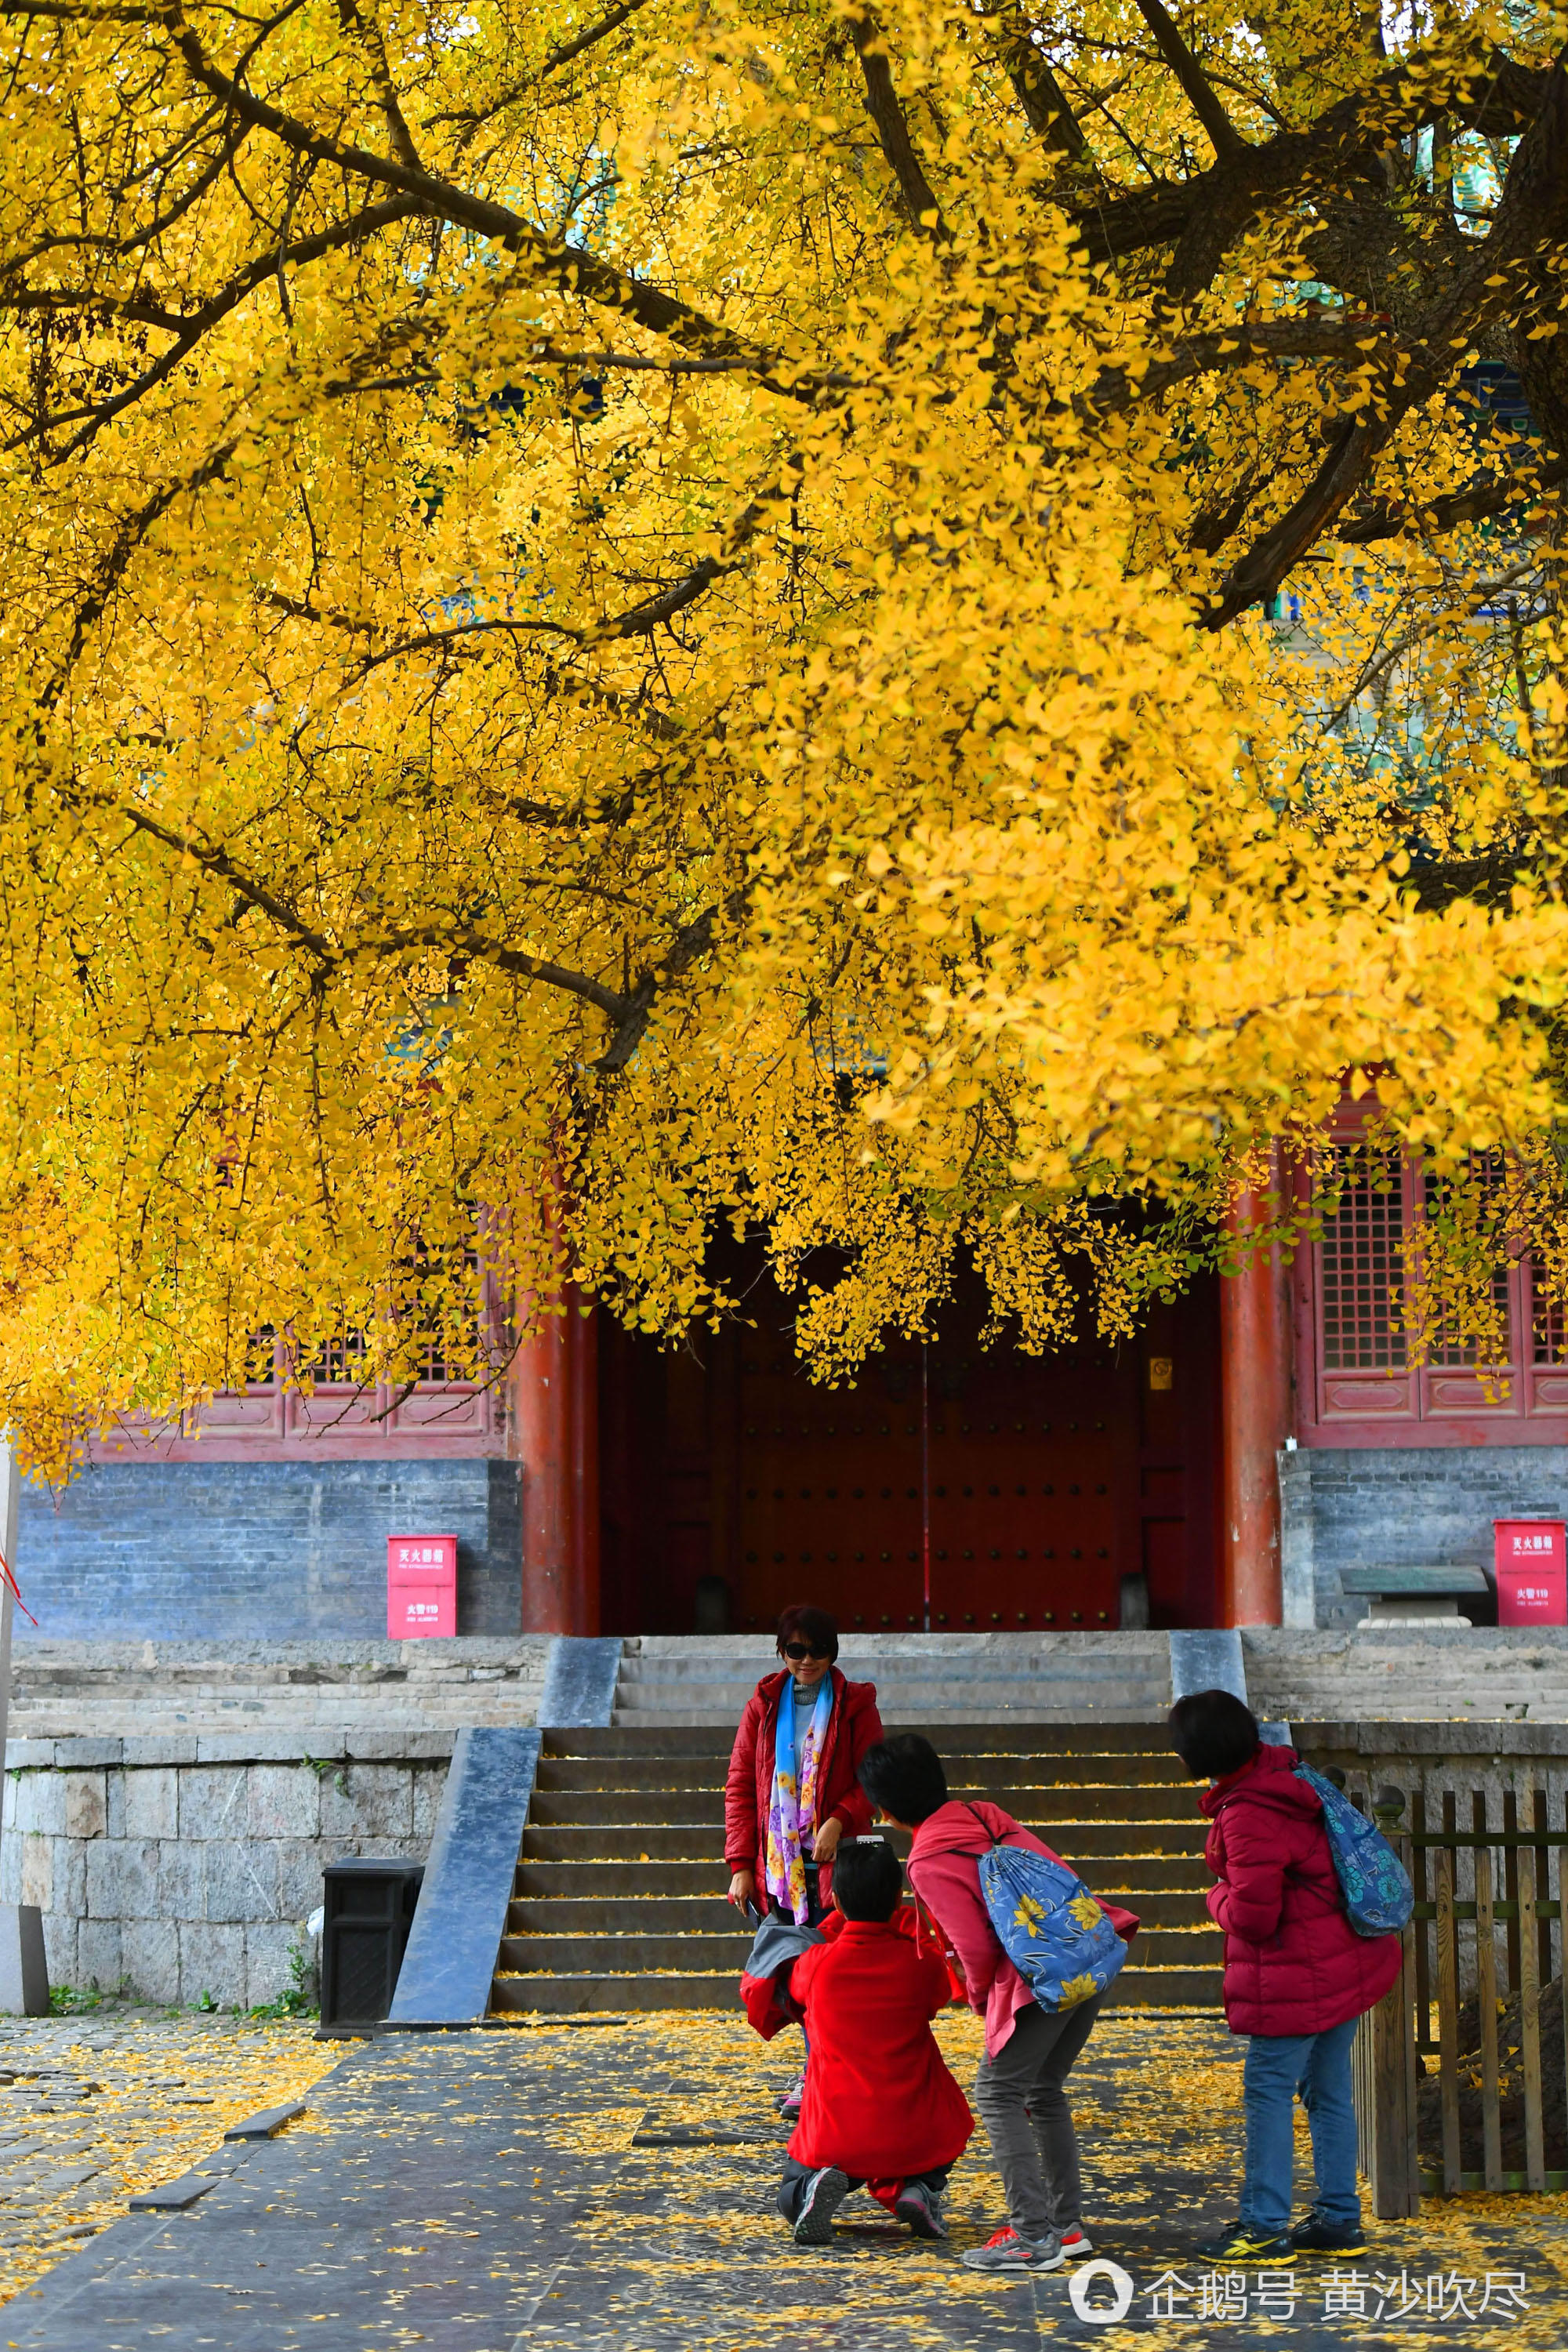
593 1878
701 1954
942 1678
1155 1988
658 1912
967 1775
935 1721
617 1897
907 1706
1003 1739
1080 1801
694 1841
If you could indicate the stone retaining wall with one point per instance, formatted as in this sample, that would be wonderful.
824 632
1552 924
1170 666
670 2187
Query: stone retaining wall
184 1865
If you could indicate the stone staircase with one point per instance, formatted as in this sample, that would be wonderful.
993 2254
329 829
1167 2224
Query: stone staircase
618 1900
920 1679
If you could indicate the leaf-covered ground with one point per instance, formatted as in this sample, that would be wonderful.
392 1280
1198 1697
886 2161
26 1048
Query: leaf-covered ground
92 2111
608 2187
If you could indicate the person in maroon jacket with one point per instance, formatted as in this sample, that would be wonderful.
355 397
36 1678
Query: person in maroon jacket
1297 1978
793 1790
880 2106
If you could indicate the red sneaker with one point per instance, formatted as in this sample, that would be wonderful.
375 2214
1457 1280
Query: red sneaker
1009 2252
1074 2244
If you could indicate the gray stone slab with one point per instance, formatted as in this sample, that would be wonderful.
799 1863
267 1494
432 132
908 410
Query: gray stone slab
82 1754
263 2124
398 1746
580 1677
176 2196
29 1755
1208 1661
457 1926
170 1748
268 1747
1393 1583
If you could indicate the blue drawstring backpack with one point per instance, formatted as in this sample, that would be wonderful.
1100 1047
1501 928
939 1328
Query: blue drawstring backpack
1049 1924
1378 1897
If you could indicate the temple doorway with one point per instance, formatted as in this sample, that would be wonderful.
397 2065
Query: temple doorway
965 1488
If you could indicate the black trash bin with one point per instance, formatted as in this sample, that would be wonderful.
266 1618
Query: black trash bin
366 1916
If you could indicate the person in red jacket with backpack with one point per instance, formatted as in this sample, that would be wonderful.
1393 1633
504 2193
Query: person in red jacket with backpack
1028 2049
1297 1978
880 2106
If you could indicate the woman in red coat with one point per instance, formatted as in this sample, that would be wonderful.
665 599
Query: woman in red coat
1297 1978
793 1790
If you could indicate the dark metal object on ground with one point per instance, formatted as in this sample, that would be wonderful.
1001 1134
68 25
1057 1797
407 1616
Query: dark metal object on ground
369 1910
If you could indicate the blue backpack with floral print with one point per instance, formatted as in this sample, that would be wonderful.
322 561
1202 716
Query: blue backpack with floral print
1378 1895
1049 1924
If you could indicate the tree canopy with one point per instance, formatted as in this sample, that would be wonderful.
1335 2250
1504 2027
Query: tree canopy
913 625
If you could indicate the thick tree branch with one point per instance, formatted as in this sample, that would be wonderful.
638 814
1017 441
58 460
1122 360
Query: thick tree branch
694 939
216 860
188 327
1488 494
1037 91
1223 137
892 130
368 33
569 267
1495 95
1532 219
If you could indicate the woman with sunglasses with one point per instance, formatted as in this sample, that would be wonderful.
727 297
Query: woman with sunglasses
794 1790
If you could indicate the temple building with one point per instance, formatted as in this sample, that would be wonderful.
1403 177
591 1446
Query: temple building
1260 1434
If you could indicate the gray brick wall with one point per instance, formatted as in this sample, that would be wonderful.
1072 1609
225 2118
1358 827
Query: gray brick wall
191 1864
1394 1506
260 1551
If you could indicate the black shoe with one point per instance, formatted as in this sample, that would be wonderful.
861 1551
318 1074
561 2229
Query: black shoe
921 2207
824 2192
1315 2236
1241 2244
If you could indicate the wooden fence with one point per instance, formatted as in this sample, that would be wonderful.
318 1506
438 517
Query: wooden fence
1459 2071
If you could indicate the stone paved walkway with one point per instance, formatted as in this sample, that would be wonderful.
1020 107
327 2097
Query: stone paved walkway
96 2107
609 2188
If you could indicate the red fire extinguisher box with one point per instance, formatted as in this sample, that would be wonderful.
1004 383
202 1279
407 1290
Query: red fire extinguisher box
1532 1572
421 1586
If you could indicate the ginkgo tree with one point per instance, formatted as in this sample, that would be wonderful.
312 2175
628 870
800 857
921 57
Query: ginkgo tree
905 626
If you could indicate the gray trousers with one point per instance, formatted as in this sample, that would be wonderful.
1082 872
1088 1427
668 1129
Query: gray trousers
1027 2119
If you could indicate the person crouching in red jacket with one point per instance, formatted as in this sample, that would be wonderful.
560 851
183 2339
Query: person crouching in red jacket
1297 1978
880 2107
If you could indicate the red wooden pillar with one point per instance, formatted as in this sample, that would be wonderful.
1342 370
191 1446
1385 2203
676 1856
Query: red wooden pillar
555 1427
1256 1409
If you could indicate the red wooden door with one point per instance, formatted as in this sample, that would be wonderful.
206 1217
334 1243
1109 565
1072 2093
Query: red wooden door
1045 1479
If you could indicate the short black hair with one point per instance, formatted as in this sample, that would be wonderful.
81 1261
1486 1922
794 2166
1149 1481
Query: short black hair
904 1778
801 1623
867 1878
1213 1732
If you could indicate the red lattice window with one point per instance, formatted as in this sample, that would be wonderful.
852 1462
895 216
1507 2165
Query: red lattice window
1362 1270
1356 1382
